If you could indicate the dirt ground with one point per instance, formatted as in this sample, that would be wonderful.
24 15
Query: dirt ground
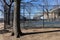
42 34
34 34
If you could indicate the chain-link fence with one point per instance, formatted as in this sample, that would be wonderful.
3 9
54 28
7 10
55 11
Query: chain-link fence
41 15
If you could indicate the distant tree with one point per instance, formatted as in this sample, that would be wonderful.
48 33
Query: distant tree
4 11
8 10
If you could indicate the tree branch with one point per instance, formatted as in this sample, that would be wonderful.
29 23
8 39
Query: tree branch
11 1
5 2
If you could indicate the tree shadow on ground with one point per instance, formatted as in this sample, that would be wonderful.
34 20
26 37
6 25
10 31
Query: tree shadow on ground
4 31
40 32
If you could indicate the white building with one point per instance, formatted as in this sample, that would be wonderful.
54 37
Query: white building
53 14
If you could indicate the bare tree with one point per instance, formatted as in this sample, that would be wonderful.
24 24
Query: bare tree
4 11
9 9
16 21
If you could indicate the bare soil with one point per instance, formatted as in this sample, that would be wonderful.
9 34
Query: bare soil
34 34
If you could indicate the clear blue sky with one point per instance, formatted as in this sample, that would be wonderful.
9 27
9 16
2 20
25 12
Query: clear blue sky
34 9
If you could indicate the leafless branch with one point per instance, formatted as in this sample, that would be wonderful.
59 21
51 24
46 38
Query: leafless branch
11 1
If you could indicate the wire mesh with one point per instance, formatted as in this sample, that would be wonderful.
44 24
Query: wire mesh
43 14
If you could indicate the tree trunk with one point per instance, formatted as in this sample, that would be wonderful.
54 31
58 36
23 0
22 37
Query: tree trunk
16 21
8 21
8 6
12 16
5 16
